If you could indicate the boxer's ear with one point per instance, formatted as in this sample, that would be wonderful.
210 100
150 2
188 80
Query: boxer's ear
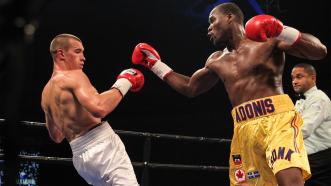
60 53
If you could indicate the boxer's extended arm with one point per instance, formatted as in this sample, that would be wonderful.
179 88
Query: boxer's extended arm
201 81
302 45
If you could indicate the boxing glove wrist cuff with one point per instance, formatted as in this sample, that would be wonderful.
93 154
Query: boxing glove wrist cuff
123 85
161 69
289 35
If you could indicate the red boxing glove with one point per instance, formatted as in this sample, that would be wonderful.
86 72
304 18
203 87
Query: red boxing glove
146 55
261 27
129 79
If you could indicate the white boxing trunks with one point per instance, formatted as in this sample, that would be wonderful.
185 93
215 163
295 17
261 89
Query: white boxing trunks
99 156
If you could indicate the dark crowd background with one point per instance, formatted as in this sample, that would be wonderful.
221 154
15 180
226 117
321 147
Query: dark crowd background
109 31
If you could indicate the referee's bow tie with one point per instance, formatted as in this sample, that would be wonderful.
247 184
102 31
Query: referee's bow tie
300 96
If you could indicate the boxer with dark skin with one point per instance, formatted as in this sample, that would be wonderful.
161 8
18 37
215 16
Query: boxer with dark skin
250 67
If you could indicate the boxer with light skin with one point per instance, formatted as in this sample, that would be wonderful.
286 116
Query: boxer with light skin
74 110
267 145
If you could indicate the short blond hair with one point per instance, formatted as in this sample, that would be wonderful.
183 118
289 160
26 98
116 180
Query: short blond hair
61 41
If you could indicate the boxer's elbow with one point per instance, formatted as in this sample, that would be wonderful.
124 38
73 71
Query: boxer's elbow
103 109
308 47
323 51
192 92
99 112
319 53
57 138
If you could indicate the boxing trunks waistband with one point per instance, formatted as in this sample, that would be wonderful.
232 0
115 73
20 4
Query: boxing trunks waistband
262 107
92 137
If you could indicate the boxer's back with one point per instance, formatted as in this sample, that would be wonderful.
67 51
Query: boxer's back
62 107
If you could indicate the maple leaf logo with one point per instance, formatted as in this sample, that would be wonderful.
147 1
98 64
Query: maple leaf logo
239 174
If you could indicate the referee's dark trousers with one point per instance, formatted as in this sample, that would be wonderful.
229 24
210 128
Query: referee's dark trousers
320 166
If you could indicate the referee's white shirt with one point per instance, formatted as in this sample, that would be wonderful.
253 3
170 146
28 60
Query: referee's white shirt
316 113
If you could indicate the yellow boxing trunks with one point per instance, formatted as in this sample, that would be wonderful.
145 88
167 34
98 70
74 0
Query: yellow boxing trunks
267 138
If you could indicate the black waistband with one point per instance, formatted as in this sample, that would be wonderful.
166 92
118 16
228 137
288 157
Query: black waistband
95 126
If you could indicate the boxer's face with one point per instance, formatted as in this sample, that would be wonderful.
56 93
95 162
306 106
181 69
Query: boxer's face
74 55
301 80
218 27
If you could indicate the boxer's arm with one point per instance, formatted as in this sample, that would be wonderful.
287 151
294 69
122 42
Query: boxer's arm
54 132
201 81
290 40
307 46
99 105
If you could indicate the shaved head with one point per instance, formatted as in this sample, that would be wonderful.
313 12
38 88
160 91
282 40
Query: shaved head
61 41
231 8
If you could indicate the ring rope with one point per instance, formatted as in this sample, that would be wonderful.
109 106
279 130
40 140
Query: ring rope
145 134
68 161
